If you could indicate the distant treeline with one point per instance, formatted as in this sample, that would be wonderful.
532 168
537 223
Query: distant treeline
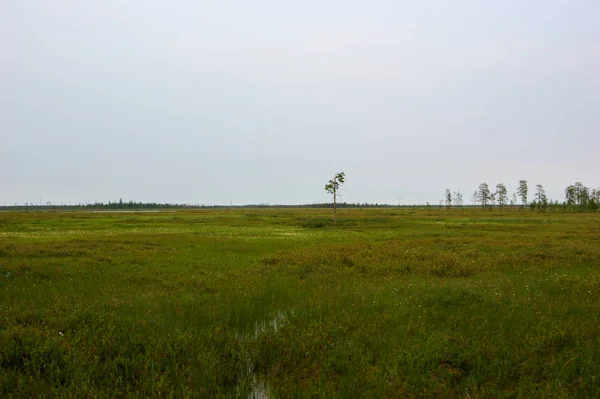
578 197
132 205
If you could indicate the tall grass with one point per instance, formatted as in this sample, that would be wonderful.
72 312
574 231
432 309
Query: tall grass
282 303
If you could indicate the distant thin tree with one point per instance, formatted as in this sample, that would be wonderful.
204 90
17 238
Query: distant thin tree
570 196
492 200
540 197
501 194
458 198
332 188
484 195
595 199
582 194
448 198
522 191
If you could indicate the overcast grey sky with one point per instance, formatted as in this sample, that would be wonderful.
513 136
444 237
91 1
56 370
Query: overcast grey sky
264 101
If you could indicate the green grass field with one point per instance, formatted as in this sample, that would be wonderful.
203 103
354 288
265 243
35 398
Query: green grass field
282 303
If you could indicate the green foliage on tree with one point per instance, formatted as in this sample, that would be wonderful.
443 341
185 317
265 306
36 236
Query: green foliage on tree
457 198
484 195
570 197
501 195
580 197
332 188
522 191
595 199
541 201
582 194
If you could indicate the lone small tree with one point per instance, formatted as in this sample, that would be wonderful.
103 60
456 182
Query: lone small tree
332 188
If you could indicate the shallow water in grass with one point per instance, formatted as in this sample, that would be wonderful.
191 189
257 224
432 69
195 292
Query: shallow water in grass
282 303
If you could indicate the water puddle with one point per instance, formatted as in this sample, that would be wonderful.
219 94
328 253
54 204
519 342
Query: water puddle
274 324
258 387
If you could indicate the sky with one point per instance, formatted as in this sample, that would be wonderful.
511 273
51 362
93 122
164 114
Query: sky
264 101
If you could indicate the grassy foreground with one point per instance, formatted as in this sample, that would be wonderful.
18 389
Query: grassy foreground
282 303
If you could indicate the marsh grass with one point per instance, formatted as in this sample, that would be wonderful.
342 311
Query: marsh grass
282 303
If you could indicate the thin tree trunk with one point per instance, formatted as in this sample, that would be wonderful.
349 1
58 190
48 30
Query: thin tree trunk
334 208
